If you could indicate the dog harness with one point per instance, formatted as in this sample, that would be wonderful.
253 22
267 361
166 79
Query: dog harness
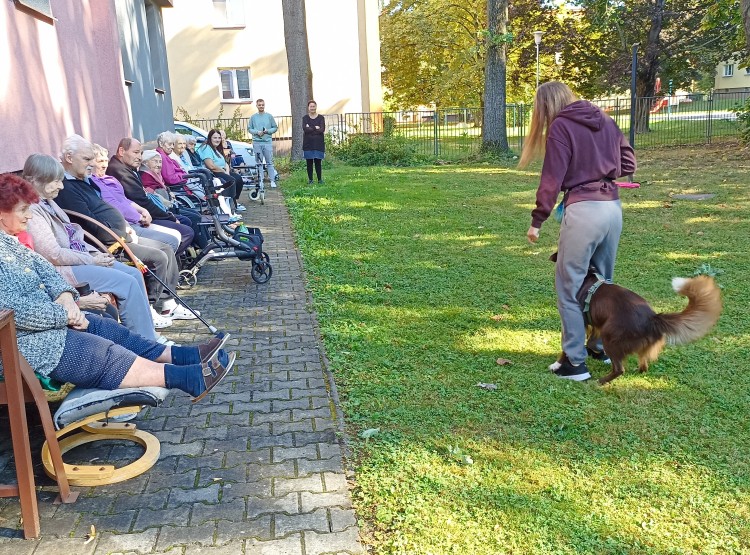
589 295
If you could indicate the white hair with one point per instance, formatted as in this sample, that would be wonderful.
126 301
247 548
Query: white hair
73 144
191 140
165 137
146 156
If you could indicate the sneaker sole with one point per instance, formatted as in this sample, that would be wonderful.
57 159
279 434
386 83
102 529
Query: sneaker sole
227 368
190 317
162 326
576 378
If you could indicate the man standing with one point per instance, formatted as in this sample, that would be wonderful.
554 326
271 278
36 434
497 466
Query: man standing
262 126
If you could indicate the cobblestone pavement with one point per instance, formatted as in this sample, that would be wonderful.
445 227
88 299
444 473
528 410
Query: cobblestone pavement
254 468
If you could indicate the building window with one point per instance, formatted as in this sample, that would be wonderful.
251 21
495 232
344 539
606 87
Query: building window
229 13
728 70
235 85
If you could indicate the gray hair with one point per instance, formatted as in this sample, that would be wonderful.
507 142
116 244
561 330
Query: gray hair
41 169
165 137
180 137
73 144
190 140
99 150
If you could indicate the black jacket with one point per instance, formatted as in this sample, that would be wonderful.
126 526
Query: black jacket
133 186
83 197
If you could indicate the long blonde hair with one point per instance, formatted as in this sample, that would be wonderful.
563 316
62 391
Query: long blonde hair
549 100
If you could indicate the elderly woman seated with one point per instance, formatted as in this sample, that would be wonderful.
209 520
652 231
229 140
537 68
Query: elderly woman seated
157 190
182 157
63 244
61 342
138 217
172 171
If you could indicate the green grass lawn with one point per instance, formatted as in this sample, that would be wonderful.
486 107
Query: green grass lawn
422 278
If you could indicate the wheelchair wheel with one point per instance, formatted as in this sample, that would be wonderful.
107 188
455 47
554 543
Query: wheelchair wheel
255 195
187 280
261 271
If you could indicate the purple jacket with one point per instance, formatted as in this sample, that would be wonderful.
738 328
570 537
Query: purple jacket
114 194
171 170
585 151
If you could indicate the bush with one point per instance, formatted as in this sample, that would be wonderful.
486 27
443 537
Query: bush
367 150
389 125
742 111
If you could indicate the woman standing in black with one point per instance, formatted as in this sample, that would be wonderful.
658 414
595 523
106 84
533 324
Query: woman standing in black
313 142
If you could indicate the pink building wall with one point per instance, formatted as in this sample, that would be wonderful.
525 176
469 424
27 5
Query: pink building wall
59 78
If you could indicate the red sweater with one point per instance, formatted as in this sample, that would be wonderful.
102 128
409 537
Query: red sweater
585 151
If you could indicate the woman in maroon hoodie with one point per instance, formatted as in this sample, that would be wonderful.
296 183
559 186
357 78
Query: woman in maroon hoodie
584 152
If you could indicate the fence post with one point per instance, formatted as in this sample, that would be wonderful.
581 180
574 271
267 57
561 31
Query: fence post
709 129
435 128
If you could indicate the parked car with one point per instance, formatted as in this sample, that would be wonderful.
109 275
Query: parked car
240 148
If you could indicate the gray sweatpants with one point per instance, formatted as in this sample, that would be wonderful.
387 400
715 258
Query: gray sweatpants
589 235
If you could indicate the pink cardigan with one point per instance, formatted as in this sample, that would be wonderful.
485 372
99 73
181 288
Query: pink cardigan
171 171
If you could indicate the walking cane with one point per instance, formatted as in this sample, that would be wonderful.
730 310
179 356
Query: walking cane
120 242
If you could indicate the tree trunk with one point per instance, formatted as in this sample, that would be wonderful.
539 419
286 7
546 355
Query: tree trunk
300 74
745 7
648 70
494 130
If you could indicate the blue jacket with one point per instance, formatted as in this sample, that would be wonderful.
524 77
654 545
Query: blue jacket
258 122
29 285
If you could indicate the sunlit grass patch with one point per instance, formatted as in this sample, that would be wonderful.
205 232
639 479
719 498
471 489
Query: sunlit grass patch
425 286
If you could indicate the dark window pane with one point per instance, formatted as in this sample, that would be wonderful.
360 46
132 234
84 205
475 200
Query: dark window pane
243 83
227 84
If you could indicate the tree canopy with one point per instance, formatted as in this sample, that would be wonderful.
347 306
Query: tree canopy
435 51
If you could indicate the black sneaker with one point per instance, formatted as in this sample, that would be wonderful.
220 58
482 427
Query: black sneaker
598 355
567 371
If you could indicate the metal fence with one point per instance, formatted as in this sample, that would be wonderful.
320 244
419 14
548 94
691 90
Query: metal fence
456 133
677 120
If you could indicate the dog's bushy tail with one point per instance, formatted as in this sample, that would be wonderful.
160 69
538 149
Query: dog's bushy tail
700 315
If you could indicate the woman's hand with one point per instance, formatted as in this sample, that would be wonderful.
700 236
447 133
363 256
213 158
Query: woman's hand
532 234
76 319
104 259
93 301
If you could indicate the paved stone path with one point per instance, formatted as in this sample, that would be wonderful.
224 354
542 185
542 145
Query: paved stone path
255 468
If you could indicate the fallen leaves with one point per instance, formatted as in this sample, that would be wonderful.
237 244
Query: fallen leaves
503 362
90 536
487 386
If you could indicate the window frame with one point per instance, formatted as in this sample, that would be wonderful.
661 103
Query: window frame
231 8
235 85
728 70
40 7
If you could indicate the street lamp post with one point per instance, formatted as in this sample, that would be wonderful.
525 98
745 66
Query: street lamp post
537 41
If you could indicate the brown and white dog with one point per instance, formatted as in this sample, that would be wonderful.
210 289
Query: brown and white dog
627 324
